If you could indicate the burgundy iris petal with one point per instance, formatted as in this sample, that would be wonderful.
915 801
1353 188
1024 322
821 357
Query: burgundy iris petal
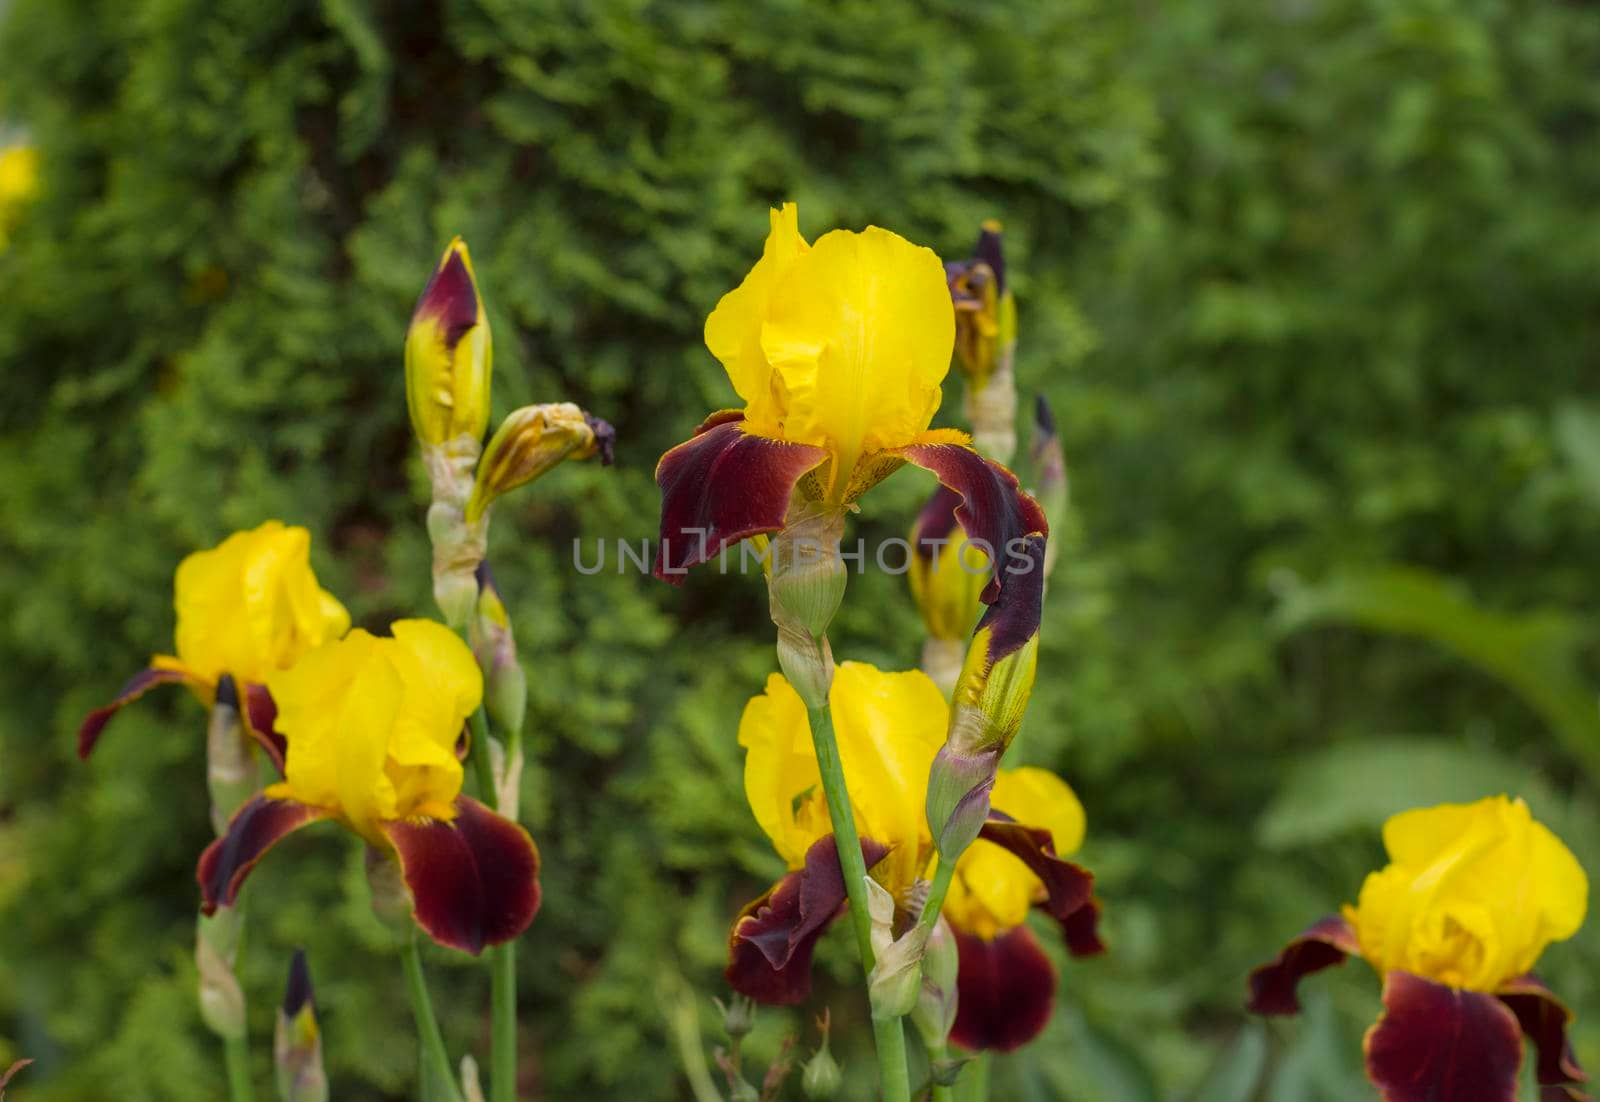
255 828
474 881
1435 1042
1007 990
994 511
261 716
1544 1019
139 684
1081 930
1069 886
769 950
721 486
1323 944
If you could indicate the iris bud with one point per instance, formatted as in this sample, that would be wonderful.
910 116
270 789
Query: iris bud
822 1077
935 1011
216 947
532 440
297 1041
449 354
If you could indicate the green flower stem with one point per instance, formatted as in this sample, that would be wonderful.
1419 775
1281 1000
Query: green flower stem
503 996
502 958
943 873
889 1033
482 767
236 1051
973 1083
437 1079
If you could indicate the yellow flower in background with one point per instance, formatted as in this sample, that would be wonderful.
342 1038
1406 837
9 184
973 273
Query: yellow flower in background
19 183
1472 895
449 354
993 889
372 725
246 608
251 606
888 725
841 345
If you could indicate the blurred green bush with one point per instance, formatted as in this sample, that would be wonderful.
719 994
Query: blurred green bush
1311 285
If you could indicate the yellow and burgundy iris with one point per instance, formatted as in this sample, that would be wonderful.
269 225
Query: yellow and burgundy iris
838 350
986 312
1472 895
246 609
372 725
449 354
889 727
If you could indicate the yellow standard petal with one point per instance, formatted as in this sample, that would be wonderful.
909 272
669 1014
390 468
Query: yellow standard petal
371 724
1472 895
858 332
888 726
993 890
251 605
733 331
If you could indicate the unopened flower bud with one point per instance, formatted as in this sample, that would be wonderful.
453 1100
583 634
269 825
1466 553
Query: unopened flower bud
738 1015
391 899
505 684
216 947
822 1077
986 711
297 1040
232 770
449 354
531 441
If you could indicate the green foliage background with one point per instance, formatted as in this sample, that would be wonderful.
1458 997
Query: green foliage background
1312 286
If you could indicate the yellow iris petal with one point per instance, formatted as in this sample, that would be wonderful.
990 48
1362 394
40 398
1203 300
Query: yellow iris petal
251 605
1472 895
888 726
371 724
859 331
993 890
733 331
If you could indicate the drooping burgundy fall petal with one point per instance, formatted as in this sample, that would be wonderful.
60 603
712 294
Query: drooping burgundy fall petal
260 715
1081 930
474 881
1544 1020
1007 990
770 946
1069 887
723 485
1435 1042
1323 944
139 684
994 512
255 828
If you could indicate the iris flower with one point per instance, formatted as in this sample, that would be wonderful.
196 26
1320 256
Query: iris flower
889 726
372 726
247 608
838 350
1472 895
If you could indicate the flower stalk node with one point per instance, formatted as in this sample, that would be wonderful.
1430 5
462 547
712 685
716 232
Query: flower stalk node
459 545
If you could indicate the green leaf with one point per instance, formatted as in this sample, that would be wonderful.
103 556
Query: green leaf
1233 1078
1535 654
1356 785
